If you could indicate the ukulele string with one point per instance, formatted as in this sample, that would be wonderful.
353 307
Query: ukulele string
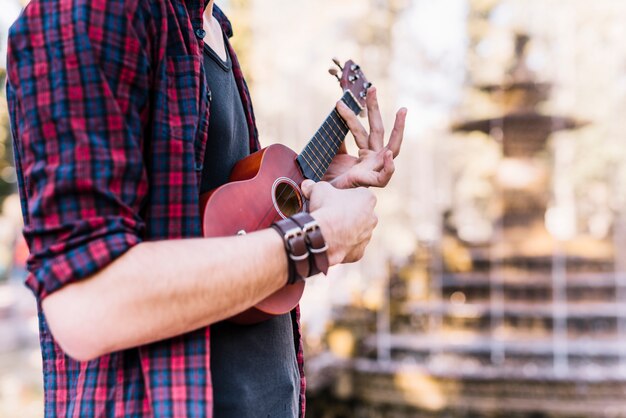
316 169
318 172
336 144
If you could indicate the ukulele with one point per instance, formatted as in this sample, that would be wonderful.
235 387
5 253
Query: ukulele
265 187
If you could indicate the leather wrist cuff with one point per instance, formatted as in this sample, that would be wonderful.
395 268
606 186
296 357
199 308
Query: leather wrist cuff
305 246
297 251
315 242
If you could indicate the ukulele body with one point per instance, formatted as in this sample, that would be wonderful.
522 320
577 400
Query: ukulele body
263 188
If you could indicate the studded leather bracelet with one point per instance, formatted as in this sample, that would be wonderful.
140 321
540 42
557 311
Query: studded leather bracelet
305 246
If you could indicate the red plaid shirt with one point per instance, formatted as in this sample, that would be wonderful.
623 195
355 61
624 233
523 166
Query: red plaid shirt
110 110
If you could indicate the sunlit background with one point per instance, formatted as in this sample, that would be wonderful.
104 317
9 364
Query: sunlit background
495 285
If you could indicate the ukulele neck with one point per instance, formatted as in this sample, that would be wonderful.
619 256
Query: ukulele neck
316 156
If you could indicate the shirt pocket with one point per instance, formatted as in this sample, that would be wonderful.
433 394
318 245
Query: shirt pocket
183 97
187 107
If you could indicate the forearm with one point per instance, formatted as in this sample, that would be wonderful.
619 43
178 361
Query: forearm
158 290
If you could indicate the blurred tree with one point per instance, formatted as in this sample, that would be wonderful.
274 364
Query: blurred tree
239 13
7 171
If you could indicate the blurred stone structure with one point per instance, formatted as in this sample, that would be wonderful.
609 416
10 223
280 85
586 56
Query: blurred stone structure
517 309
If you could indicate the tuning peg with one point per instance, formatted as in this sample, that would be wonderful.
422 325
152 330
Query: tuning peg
337 63
334 72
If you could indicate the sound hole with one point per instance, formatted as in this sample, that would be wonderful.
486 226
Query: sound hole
287 198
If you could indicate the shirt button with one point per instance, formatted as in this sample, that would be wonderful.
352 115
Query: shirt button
199 166
209 95
200 33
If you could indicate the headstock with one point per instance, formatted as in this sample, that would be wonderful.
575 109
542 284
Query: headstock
352 79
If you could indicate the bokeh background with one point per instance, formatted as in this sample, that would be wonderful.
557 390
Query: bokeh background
495 285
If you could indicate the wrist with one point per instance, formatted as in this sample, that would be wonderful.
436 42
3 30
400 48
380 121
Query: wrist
305 246
315 242
295 249
327 226
282 258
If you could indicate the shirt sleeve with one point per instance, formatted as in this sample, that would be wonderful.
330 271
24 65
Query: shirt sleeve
78 97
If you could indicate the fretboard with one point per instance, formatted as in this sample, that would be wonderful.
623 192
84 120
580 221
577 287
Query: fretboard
315 158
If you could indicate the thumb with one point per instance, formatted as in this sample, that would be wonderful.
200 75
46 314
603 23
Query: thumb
307 187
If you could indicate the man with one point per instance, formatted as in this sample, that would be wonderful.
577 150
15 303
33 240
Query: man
117 130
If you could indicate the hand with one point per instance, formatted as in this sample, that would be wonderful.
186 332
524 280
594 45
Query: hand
346 218
374 165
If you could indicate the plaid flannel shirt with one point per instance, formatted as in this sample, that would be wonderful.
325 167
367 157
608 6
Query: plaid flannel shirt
109 110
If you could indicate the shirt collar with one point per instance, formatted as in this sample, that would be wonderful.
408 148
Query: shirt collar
196 11
223 20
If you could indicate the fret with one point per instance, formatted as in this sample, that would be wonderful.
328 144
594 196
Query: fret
349 99
309 162
335 128
324 154
326 142
339 123
336 116
342 129
330 146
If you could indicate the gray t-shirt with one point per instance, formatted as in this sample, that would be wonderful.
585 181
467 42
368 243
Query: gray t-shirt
254 367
